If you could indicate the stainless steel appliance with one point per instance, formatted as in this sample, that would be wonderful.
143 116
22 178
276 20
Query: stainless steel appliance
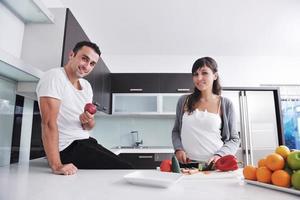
258 113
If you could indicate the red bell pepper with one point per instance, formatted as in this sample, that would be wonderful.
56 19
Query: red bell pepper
227 163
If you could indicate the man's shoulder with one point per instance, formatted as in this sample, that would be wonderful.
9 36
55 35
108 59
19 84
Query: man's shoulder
85 82
55 73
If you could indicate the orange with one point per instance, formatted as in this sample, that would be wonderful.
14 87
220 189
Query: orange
281 178
274 161
249 172
283 150
263 174
262 162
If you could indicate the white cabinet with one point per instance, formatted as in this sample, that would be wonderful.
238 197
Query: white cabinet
145 104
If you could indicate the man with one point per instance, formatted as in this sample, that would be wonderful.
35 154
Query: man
62 94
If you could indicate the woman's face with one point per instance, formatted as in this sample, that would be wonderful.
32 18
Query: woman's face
203 78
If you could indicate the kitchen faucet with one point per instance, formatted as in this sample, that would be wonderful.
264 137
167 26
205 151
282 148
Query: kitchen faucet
137 142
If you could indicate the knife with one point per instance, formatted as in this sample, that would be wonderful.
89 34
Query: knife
202 166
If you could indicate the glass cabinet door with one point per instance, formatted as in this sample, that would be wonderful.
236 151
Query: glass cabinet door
134 103
169 103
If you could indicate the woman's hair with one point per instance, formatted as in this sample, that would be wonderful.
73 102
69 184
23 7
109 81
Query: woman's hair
216 89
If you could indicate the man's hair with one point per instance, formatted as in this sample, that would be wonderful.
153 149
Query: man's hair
81 44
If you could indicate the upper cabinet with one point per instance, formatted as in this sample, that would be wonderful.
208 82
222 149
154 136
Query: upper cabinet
134 82
172 83
30 11
48 46
151 83
148 94
16 69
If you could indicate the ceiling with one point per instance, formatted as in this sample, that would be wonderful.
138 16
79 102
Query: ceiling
168 35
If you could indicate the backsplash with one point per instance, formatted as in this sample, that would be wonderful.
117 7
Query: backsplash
112 130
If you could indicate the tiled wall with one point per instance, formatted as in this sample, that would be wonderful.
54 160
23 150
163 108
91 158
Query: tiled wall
113 130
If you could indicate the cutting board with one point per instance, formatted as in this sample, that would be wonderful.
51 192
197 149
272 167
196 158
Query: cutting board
212 175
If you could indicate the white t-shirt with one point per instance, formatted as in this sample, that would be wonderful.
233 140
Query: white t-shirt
56 84
201 134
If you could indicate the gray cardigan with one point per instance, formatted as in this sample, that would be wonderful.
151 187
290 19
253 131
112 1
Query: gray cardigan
229 134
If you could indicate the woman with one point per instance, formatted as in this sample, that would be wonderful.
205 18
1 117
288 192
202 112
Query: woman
205 125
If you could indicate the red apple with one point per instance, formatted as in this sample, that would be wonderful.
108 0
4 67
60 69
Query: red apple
91 108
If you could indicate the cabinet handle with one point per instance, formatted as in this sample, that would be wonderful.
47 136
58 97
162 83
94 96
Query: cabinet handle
183 89
136 90
145 157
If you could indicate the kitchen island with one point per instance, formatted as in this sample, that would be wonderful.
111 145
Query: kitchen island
34 181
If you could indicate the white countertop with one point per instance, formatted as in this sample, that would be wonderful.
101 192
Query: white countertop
36 182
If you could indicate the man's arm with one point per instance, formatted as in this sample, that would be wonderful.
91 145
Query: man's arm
49 108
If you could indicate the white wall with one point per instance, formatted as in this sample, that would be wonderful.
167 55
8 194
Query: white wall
43 43
53 3
11 34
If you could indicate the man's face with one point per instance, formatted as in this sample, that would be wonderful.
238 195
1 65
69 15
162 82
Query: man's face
84 61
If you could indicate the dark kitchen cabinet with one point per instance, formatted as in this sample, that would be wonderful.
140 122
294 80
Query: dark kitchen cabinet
100 81
151 82
172 83
145 160
73 34
140 160
99 78
134 82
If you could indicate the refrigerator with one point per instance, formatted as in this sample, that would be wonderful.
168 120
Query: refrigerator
259 121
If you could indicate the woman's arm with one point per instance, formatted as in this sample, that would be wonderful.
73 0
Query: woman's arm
230 134
176 132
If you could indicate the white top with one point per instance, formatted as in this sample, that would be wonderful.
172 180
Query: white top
201 134
56 84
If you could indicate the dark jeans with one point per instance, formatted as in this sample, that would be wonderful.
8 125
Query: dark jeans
88 154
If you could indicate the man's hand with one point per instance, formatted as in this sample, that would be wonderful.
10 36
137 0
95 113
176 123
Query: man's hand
87 120
181 156
67 169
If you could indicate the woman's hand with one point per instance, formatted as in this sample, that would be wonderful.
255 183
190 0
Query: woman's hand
214 159
181 156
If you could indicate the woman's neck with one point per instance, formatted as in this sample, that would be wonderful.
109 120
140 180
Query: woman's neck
207 96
